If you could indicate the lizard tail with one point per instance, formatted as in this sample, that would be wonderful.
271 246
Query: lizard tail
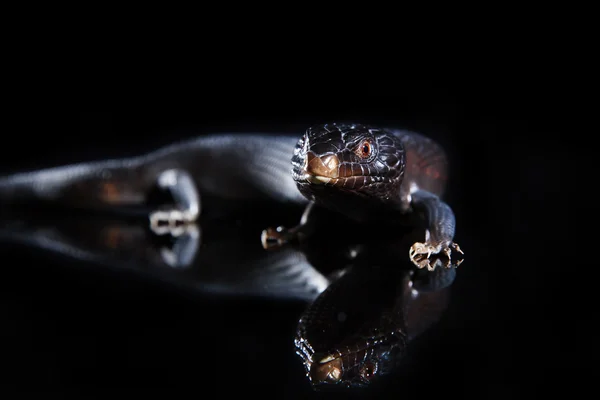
86 185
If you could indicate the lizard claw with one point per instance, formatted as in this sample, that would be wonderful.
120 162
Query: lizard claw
456 248
280 236
427 255
172 222
274 238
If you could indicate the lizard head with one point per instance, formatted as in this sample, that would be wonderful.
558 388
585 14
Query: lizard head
349 160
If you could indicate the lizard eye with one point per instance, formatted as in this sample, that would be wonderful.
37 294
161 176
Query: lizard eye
365 149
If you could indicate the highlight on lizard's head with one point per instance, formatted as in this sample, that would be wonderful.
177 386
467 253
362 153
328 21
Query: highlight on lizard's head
350 158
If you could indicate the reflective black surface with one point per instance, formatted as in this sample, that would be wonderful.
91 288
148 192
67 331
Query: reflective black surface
363 304
220 263
515 321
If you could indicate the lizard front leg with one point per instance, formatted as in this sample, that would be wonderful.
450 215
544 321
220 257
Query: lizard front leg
187 202
438 245
272 238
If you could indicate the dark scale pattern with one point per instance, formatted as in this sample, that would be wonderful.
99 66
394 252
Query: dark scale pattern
360 183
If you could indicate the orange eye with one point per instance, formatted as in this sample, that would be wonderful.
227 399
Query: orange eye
365 149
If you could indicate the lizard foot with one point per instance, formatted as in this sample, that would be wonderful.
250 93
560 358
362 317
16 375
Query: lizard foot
173 222
272 238
427 255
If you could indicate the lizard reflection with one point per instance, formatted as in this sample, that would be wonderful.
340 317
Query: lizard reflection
225 263
360 315
358 329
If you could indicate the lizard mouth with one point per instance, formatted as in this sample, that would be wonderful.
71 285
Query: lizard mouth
318 179
329 170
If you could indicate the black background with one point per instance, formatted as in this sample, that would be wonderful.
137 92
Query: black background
519 325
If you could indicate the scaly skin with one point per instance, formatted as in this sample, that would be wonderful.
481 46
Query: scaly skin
375 175
368 174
